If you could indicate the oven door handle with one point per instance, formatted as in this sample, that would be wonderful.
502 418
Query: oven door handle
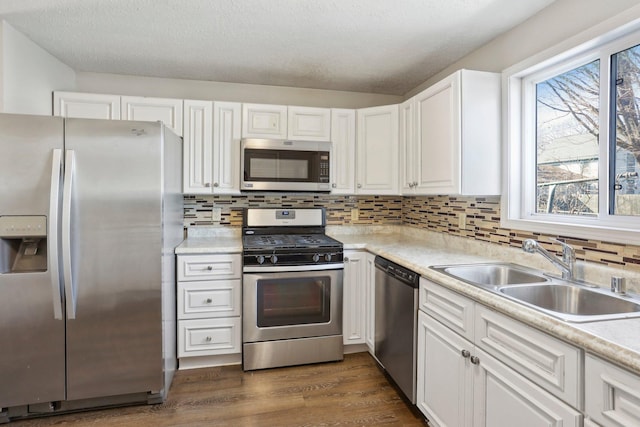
292 268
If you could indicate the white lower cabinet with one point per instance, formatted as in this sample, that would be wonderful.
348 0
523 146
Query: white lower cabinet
462 381
353 302
209 310
612 394
370 304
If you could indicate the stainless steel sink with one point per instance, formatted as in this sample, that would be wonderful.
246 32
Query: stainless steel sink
570 301
575 303
491 275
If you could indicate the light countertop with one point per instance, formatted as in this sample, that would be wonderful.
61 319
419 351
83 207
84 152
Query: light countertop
615 340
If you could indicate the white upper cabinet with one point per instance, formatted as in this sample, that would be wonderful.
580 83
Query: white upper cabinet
86 105
211 147
226 147
343 155
166 110
264 121
198 147
456 144
309 124
377 150
407 146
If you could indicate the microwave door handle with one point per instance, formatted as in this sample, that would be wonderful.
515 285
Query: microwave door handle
69 284
54 206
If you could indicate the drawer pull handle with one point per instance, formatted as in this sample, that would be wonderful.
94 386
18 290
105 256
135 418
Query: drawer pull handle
209 301
465 353
475 360
208 339
209 267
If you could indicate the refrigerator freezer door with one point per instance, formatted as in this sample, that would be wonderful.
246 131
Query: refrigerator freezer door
32 358
114 342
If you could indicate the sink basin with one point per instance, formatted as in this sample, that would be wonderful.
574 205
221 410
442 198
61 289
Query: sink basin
491 275
573 302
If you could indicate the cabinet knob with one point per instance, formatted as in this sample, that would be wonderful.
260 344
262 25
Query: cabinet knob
475 360
346 259
465 353
334 185
207 184
215 184
415 184
209 267
359 185
209 300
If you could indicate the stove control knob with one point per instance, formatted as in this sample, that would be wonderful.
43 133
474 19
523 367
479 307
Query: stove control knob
316 257
274 259
327 257
260 259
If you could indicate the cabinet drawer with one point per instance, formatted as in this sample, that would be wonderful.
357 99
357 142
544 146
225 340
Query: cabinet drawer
612 395
208 337
450 308
209 267
217 298
550 363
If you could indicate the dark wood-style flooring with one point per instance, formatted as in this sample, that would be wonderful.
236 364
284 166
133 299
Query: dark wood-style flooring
353 392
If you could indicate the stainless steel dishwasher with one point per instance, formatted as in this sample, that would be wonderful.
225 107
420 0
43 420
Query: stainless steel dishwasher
396 308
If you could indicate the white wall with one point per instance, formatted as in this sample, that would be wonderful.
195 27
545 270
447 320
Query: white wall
220 91
556 23
29 74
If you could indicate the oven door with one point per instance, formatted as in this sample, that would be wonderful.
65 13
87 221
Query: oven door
291 304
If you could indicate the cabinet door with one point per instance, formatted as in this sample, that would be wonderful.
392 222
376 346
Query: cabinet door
309 124
343 155
370 306
197 147
226 147
354 284
168 111
502 398
548 362
444 384
377 150
438 138
264 121
407 140
612 395
86 105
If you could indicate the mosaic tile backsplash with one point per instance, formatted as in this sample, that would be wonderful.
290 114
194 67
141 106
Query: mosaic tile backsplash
473 217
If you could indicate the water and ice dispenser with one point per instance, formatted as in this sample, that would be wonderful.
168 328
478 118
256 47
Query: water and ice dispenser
23 243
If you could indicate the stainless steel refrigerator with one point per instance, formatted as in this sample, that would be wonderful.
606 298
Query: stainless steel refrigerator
90 214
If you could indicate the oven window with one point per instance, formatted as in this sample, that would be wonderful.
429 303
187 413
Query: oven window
280 165
294 301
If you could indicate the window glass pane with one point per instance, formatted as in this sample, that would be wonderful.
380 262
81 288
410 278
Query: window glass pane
626 188
567 108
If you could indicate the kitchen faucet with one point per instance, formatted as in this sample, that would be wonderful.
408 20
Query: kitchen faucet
568 262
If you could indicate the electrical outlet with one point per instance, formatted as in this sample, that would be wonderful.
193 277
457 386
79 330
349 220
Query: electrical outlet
462 221
216 214
355 214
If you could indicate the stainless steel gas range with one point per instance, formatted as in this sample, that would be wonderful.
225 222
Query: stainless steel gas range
292 289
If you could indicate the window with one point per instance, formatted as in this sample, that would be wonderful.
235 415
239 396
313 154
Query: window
573 140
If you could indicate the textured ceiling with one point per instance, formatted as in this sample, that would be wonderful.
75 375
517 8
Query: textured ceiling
377 46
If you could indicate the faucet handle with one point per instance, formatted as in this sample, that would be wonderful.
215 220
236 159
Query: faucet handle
568 253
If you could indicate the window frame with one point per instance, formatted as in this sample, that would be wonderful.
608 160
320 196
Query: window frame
519 108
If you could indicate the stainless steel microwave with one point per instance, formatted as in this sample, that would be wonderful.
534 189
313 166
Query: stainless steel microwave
283 165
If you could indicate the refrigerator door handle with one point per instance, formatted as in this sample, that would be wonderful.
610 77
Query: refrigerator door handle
69 285
54 205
